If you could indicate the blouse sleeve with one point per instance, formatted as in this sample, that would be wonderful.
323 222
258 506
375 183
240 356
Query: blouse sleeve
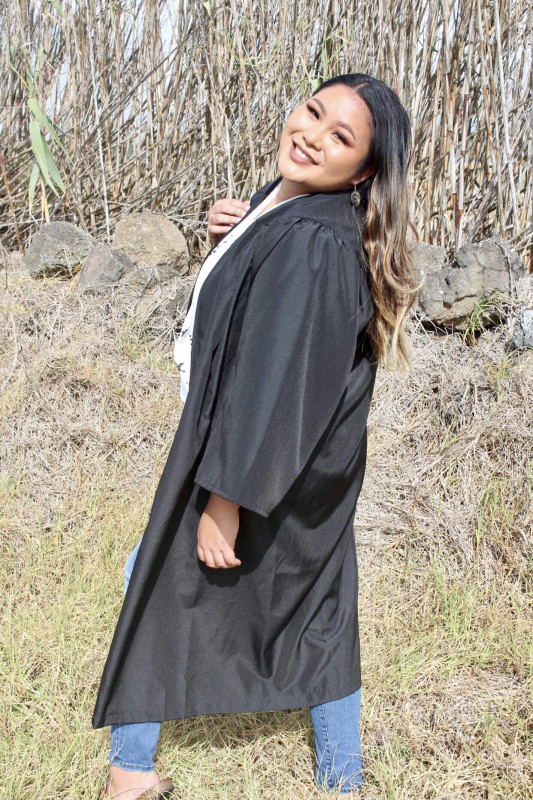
290 370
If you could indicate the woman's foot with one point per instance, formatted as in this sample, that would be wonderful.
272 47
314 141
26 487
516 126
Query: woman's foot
124 784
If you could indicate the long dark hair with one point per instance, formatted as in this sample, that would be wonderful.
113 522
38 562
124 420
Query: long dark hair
394 281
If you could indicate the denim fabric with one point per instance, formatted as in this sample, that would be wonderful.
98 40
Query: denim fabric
338 762
338 743
133 744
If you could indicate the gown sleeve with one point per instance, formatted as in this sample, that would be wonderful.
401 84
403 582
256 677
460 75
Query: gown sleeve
295 351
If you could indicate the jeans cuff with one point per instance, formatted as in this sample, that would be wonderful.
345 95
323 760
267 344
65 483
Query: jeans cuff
118 762
115 760
343 785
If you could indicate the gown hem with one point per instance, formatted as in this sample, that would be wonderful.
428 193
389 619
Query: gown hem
301 701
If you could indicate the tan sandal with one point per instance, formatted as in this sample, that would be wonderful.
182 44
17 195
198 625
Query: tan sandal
157 792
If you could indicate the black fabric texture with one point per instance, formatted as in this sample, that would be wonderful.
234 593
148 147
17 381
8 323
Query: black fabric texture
276 421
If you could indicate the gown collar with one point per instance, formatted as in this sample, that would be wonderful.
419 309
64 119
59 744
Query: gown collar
331 208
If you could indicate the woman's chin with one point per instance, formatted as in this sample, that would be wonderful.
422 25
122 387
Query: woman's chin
291 173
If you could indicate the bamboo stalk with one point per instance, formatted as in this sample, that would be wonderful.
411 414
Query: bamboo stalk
173 122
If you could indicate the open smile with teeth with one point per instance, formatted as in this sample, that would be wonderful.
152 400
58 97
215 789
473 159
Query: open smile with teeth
301 153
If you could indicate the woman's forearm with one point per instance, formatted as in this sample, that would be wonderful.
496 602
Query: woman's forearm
217 503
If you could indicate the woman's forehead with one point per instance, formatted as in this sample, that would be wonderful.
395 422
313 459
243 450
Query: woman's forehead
341 101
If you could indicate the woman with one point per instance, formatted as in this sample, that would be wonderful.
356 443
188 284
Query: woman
242 591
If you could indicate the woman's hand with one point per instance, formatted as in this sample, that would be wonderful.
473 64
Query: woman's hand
224 215
217 532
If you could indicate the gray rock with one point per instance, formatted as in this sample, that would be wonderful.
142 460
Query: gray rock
57 249
431 261
476 272
136 285
152 240
523 330
102 268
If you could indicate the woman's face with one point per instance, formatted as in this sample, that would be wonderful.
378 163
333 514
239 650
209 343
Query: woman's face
324 141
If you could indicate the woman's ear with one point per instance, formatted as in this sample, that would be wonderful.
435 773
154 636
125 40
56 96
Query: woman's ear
362 176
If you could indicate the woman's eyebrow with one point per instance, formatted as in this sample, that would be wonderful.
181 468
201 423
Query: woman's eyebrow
338 122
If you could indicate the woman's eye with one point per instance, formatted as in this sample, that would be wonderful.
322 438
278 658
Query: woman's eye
312 110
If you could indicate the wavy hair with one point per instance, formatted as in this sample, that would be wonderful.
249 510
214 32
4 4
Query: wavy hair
394 280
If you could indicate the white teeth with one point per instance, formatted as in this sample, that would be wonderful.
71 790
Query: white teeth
300 152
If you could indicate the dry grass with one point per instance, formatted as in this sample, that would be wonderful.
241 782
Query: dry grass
89 407
169 106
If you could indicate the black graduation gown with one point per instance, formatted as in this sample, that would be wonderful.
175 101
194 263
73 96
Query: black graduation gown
275 420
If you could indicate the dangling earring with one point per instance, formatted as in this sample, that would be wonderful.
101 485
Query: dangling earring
355 197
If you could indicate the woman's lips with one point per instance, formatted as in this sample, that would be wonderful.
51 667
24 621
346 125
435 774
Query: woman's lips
298 157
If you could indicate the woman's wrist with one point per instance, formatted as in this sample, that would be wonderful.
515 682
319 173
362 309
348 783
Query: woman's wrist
221 505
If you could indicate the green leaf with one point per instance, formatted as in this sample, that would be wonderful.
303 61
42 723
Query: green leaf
34 177
45 122
52 167
37 144
36 139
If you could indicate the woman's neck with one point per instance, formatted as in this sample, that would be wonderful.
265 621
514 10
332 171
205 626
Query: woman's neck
282 193
288 189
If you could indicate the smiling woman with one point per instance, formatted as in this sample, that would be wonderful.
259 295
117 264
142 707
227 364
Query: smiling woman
243 588
325 144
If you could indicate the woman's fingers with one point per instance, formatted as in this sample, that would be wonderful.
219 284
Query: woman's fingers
231 206
233 560
215 559
218 559
217 531
227 218
215 232
224 214
223 218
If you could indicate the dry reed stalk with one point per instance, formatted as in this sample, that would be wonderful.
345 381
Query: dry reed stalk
170 107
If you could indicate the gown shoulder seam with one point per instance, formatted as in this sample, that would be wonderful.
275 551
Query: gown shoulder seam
293 218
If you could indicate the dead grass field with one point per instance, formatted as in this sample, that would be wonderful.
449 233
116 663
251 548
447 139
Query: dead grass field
89 406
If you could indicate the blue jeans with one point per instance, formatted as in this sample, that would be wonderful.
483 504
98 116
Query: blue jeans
335 724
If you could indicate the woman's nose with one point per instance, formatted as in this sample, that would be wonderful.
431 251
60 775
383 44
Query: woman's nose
313 138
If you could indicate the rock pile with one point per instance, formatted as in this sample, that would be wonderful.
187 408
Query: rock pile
452 289
148 268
